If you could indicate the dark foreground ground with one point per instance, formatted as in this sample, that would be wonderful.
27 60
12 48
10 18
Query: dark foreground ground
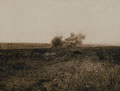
73 69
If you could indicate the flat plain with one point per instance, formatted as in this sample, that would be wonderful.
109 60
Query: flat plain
60 69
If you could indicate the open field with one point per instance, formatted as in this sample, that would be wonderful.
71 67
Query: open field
62 69
24 45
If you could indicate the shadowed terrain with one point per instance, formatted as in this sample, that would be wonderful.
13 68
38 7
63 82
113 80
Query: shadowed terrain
60 69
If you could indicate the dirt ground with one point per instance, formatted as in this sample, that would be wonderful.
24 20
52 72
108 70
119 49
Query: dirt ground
72 69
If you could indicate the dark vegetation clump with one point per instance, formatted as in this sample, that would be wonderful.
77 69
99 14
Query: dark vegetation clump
77 52
2 87
18 66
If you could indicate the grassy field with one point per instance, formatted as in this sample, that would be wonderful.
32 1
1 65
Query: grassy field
62 69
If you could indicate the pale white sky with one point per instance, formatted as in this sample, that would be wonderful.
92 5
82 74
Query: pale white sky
41 20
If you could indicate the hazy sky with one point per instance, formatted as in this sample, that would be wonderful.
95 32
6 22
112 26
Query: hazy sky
41 20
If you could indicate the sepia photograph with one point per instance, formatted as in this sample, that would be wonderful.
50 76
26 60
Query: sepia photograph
59 45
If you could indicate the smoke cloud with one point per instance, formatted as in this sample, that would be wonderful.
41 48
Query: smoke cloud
57 41
74 40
